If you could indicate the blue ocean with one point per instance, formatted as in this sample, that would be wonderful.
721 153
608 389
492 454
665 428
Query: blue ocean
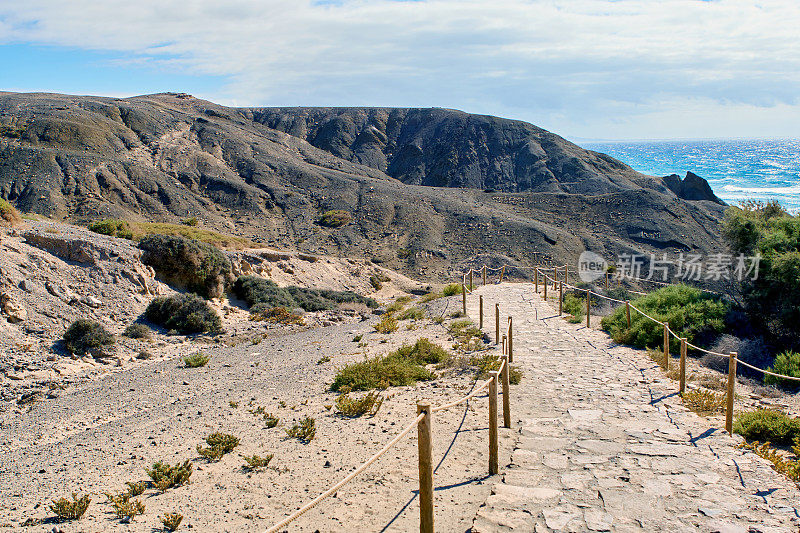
736 169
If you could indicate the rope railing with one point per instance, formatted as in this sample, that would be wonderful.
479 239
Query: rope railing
423 423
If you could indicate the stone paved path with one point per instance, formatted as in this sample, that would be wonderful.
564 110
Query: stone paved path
604 442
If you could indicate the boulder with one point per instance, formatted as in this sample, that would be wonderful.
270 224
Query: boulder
12 309
91 301
692 187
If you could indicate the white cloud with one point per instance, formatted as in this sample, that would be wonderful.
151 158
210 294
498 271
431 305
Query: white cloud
590 67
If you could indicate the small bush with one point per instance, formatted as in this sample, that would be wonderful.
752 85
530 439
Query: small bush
387 324
787 467
191 221
452 289
125 508
194 265
303 430
575 307
399 368
271 420
469 337
138 331
136 488
412 313
358 338
85 335
787 364
375 282
689 312
263 294
767 425
254 462
111 227
324 359
488 363
185 313
165 476
218 445
171 521
356 407
703 402
196 360
9 216
73 509
278 315
335 218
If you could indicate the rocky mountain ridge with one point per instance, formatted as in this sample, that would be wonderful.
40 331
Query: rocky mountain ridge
429 190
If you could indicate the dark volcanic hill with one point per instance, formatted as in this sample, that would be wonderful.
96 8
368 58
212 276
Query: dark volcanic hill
428 188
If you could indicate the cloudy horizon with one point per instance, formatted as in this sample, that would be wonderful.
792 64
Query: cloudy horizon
585 69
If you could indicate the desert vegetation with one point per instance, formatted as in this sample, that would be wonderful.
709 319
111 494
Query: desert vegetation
335 218
86 335
9 216
166 476
73 509
184 313
352 407
218 444
263 294
304 430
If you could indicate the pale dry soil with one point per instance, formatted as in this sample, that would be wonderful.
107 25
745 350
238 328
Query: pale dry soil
605 444
99 434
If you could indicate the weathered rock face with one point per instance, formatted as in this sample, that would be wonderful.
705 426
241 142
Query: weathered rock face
428 188
12 309
693 188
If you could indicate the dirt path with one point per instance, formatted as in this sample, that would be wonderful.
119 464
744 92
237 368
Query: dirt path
605 443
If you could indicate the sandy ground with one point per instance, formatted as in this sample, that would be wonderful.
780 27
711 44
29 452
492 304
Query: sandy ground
97 435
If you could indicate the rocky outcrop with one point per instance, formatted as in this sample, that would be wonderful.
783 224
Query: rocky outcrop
692 187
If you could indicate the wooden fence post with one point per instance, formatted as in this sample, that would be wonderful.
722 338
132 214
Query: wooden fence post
506 377
536 279
510 340
497 323
628 313
480 304
471 286
666 346
505 345
560 298
545 288
464 298
484 274
493 460
502 273
425 444
683 366
555 276
731 386
588 307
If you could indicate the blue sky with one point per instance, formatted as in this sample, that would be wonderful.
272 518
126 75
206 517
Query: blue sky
596 69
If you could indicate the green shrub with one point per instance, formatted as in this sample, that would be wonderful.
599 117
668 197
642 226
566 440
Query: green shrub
138 331
193 265
65 509
136 488
689 312
191 221
85 335
165 476
452 289
9 216
218 445
171 521
196 360
489 362
355 407
767 425
335 218
263 294
254 462
387 324
112 227
575 307
787 364
278 315
125 508
404 366
303 430
185 313
358 338
412 313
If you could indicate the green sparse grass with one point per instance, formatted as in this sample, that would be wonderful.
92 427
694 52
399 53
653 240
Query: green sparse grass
781 464
575 307
190 221
412 313
112 227
304 430
165 476
451 290
85 335
335 218
387 324
9 216
488 362
765 425
703 402
73 509
218 445
355 407
171 521
278 315
196 360
254 462
141 230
